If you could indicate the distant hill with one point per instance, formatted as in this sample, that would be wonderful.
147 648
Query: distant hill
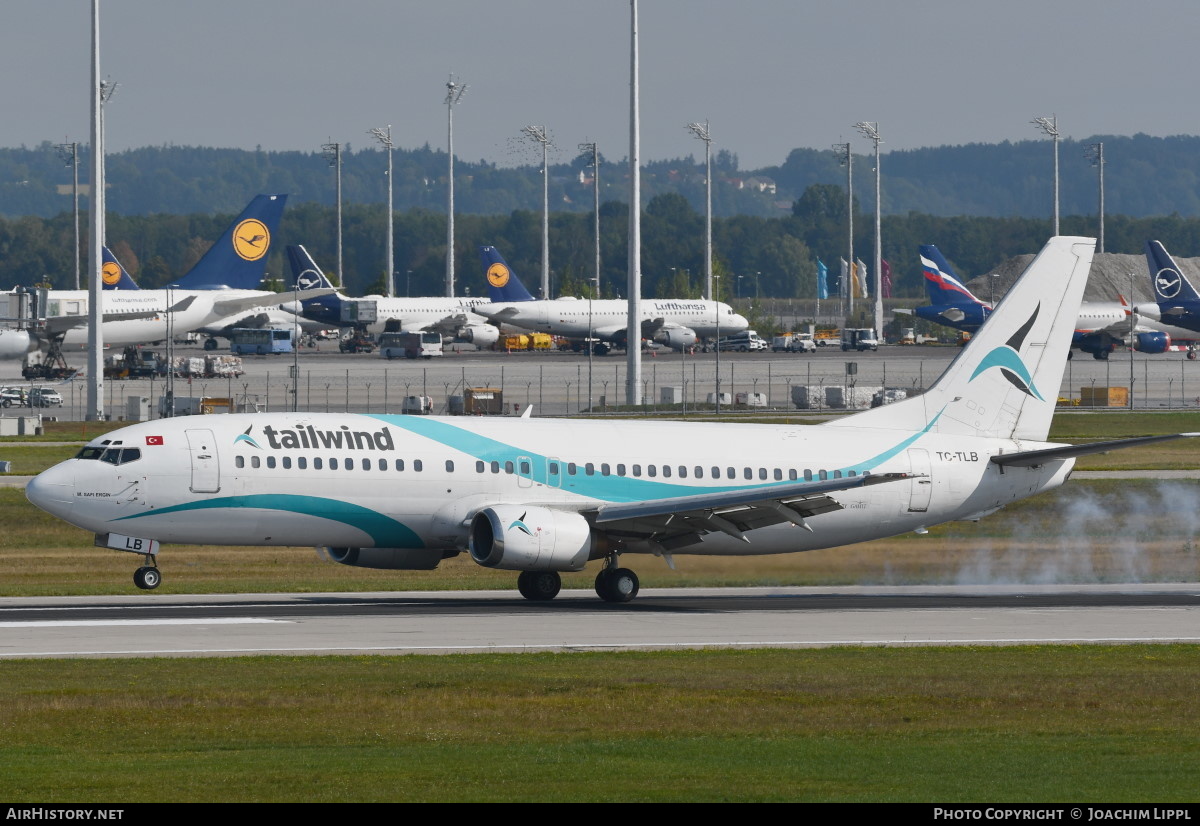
1144 176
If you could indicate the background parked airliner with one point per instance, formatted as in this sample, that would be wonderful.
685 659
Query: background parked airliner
453 317
542 496
676 322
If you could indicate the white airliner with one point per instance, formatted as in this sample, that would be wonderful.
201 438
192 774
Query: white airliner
676 322
542 496
454 317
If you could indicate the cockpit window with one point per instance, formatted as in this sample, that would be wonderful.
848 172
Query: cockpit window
116 456
89 453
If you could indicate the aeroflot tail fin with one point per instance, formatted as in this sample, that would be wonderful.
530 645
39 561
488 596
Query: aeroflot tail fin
1005 383
942 285
1166 277
503 284
113 275
306 275
239 259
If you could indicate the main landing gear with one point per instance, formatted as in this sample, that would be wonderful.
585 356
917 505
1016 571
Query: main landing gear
147 577
613 584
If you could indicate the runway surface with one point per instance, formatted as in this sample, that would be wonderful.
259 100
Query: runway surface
687 618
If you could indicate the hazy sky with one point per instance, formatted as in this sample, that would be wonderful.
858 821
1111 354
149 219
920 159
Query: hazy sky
769 75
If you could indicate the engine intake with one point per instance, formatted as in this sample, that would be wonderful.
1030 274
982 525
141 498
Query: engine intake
1153 342
677 338
521 538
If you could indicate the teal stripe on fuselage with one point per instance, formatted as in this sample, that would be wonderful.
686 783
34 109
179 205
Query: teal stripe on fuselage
603 488
383 530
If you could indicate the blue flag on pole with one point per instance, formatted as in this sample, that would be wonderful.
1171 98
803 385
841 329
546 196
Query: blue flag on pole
822 280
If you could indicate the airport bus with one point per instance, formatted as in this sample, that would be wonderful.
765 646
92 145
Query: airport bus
260 340
410 345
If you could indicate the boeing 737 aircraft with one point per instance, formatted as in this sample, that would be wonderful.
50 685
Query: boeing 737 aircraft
676 322
454 317
542 496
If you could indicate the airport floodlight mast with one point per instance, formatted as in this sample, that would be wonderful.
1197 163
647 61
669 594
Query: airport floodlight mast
871 131
69 152
1050 127
846 159
539 135
700 130
333 154
454 93
594 151
95 378
1095 154
633 321
385 138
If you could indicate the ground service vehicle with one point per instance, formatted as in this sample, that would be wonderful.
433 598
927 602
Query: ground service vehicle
45 397
747 341
260 340
410 345
859 339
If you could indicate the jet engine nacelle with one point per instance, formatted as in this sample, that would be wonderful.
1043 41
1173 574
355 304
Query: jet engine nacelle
520 538
1153 342
15 344
389 559
481 335
677 338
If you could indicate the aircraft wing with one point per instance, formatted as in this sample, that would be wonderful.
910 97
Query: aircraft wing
681 521
232 306
651 326
57 326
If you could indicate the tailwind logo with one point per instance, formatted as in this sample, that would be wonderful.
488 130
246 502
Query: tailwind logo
245 437
1007 359
1167 282
251 239
520 525
497 275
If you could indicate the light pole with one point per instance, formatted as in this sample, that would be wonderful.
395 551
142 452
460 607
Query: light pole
454 93
1095 154
333 154
992 289
846 159
69 152
385 138
871 131
1050 127
595 152
701 132
538 134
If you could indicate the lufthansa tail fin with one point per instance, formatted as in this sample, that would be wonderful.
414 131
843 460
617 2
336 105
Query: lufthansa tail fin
942 285
1005 383
1166 277
239 259
113 275
306 275
503 284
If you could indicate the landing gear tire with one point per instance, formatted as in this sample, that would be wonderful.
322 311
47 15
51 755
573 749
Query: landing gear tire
617 585
1101 355
1191 355
147 578
601 349
210 344
539 586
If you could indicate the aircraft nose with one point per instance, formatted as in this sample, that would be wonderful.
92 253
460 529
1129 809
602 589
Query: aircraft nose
740 321
53 490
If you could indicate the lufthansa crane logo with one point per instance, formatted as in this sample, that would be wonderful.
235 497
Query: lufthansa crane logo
308 280
497 275
251 239
111 273
1167 282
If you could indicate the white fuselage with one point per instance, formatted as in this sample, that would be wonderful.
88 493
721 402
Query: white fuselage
415 481
608 318
430 313
1114 317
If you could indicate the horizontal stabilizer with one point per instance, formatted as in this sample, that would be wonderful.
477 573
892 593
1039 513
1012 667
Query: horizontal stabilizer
1033 458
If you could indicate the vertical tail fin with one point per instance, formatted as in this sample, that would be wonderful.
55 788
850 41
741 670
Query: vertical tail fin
239 258
306 275
503 284
1166 277
113 275
1005 382
942 285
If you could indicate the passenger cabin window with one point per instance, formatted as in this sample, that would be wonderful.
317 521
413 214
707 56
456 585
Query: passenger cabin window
366 464
316 463
495 467
651 470
604 469
525 466
239 461
730 473
778 474
748 473
589 469
349 464
762 473
620 470
479 466
302 462
271 462
637 470
287 462
509 467
571 468
792 475
333 464
255 461
383 464
449 466
418 466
